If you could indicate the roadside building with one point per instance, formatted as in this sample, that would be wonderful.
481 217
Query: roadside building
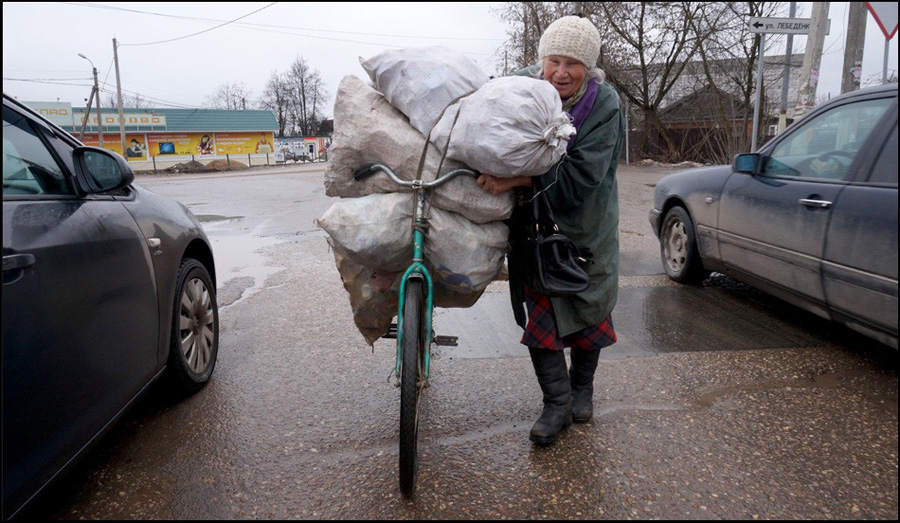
170 134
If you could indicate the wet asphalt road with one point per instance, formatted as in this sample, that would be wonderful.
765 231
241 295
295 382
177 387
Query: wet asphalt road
718 402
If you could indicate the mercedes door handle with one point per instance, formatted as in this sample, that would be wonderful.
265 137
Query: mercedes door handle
818 204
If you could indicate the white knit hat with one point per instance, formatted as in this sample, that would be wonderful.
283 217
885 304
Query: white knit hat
571 36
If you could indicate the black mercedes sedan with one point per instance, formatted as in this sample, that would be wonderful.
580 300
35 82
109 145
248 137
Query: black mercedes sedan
811 218
106 288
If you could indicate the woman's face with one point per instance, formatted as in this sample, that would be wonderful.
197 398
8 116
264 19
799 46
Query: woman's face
565 74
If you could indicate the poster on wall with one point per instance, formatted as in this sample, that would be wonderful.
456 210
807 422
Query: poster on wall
245 143
181 144
137 144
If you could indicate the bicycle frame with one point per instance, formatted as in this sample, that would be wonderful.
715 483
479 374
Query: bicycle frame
417 269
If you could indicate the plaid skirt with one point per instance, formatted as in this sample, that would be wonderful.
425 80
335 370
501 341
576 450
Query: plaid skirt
541 330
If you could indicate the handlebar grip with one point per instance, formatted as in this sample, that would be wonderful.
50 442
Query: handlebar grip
365 172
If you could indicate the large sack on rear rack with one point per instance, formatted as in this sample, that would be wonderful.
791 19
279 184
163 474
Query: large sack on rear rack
422 82
369 130
511 126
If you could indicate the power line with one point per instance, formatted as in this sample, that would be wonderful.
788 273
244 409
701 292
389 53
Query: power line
151 99
270 26
37 81
200 32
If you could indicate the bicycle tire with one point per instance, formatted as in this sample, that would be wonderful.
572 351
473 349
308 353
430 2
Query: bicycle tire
412 355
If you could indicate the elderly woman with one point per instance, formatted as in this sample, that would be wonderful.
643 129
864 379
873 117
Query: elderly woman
583 196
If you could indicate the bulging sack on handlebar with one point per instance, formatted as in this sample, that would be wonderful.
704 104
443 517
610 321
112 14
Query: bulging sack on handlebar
369 130
511 126
464 256
374 230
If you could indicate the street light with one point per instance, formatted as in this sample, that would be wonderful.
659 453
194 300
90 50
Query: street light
95 91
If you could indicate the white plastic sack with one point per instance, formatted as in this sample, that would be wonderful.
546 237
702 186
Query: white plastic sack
369 130
373 296
374 230
511 126
422 82
465 256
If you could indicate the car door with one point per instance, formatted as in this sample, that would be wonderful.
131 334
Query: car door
773 224
860 267
80 321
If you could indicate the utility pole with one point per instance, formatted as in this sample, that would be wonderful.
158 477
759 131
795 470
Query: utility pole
786 81
853 50
809 72
87 115
95 91
119 92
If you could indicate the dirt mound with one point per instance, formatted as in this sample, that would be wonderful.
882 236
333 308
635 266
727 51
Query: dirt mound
187 167
223 165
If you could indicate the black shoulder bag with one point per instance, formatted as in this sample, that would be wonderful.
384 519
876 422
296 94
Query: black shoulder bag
555 269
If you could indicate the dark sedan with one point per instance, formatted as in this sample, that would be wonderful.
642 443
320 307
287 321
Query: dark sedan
811 218
106 287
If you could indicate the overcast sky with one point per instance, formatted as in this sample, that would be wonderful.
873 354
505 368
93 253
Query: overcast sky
41 43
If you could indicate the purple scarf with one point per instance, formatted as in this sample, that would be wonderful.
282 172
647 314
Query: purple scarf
583 108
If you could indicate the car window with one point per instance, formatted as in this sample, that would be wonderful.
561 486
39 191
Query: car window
28 166
824 147
885 168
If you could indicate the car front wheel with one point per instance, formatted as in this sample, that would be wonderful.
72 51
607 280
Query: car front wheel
678 248
194 344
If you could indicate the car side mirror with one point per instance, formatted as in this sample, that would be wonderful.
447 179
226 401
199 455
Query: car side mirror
101 170
746 163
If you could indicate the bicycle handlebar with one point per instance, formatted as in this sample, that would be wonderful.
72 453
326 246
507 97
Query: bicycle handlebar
369 170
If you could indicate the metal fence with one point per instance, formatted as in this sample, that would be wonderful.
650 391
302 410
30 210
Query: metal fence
223 162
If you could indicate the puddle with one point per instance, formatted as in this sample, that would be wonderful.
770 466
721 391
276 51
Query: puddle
239 256
208 218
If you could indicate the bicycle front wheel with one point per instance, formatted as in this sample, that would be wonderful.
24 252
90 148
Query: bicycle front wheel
412 349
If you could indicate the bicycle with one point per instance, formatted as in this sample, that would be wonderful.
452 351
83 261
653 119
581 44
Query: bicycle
413 329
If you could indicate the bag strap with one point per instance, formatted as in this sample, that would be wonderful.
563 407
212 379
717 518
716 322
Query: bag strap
543 214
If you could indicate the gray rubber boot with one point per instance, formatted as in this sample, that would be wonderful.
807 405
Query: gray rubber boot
581 374
550 368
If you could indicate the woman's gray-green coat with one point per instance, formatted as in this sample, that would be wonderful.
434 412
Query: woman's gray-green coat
583 195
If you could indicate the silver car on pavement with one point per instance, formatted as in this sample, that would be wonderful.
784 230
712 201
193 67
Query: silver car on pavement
811 218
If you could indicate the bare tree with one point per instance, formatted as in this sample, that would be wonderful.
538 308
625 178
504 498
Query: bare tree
728 62
276 97
230 96
527 23
307 95
648 45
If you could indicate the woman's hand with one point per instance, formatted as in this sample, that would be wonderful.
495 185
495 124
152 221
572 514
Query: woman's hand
497 185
